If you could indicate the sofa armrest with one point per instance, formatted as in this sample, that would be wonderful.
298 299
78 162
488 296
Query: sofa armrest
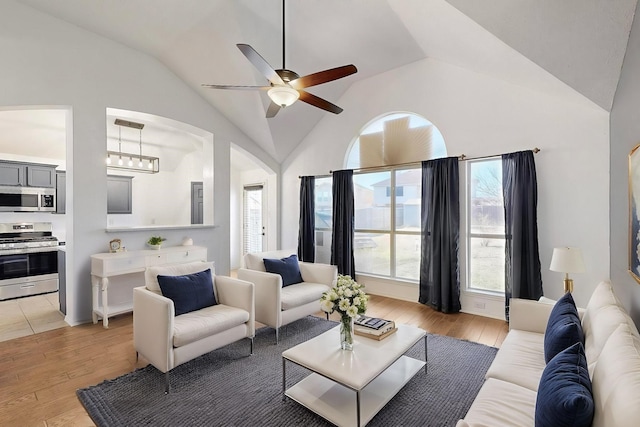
528 315
268 290
319 273
153 317
239 294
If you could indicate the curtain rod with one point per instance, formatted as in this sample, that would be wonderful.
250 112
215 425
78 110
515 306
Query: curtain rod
461 157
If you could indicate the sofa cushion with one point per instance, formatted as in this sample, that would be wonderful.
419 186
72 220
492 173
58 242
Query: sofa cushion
196 325
564 395
520 359
151 273
288 268
563 328
603 315
301 293
616 380
188 292
501 403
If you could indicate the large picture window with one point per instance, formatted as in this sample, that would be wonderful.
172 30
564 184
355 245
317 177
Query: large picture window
485 226
387 193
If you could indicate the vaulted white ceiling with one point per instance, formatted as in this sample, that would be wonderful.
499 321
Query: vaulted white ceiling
573 48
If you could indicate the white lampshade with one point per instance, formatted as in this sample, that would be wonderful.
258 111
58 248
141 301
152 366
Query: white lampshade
283 95
567 260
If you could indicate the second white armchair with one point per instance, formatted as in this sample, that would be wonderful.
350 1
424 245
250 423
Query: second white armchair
277 305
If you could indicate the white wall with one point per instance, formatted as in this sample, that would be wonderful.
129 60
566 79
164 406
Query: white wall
49 62
479 115
625 134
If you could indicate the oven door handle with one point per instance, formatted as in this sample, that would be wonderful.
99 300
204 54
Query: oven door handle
28 250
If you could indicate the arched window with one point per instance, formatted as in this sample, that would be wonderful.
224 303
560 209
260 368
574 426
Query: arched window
395 139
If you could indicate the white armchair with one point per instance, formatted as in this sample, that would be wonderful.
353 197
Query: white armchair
167 341
276 305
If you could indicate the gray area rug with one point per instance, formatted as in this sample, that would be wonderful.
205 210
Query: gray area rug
227 387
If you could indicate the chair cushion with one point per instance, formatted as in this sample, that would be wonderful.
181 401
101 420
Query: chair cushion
288 268
564 394
301 293
563 328
253 261
151 273
189 292
616 380
208 321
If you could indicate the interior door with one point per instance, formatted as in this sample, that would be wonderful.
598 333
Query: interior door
197 200
253 225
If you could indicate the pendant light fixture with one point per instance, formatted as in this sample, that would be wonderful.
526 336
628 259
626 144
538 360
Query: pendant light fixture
137 162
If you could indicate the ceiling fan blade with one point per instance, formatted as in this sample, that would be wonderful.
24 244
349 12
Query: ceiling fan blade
319 102
237 87
323 76
272 110
259 62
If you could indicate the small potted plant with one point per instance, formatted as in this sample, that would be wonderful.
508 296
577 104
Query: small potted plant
155 242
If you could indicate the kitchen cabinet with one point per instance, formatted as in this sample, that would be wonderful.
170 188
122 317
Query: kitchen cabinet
119 194
27 174
61 191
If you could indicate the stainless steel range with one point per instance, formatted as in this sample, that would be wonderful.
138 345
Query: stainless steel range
28 259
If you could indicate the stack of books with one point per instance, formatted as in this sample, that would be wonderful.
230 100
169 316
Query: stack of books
373 327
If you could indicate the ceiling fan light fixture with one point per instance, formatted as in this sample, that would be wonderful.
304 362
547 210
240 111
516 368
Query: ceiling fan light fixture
283 95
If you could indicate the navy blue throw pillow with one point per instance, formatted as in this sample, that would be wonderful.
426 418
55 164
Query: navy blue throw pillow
564 395
190 292
288 268
563 328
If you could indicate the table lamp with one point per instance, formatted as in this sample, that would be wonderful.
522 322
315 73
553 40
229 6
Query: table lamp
567 260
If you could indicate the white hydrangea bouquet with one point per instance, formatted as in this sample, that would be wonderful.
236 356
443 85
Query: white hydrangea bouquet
349 299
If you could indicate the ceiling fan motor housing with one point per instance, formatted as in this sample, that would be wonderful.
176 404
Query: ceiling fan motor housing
287 75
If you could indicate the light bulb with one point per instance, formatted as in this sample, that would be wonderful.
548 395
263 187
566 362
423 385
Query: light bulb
120 162
108 160
140 163
130 162
150 166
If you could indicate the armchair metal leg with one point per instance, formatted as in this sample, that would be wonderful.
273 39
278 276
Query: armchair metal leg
277 329
251 346
137 356
167 384
327 314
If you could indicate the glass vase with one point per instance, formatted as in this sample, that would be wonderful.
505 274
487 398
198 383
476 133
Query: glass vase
346 333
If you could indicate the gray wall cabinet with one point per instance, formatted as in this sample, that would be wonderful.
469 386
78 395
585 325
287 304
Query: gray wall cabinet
61 191
119 193
27 174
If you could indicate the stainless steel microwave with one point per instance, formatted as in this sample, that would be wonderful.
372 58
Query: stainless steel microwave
27 199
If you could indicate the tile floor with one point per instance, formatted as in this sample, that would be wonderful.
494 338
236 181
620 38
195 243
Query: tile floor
29 315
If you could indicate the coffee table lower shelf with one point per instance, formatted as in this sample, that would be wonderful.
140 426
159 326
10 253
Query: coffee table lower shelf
337 403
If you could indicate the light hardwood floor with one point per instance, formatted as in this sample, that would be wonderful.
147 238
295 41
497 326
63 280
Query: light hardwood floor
39 374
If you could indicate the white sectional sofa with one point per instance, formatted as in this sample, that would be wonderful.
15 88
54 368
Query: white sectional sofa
612 348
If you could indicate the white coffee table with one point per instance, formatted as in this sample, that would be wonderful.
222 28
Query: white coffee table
374 370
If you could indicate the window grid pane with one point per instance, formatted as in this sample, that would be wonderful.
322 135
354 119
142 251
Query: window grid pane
485 226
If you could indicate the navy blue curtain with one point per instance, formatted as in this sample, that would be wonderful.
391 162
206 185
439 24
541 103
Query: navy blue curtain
307 222
523 278
343 223
439 271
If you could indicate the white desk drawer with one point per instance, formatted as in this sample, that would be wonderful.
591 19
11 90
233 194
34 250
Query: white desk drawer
156 259
122 265
187 255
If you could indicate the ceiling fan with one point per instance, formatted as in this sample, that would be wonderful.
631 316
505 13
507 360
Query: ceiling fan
286 86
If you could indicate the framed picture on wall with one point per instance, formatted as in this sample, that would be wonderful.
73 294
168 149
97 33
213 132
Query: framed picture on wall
634 213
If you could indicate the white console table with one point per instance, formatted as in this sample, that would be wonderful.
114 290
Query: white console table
106 265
